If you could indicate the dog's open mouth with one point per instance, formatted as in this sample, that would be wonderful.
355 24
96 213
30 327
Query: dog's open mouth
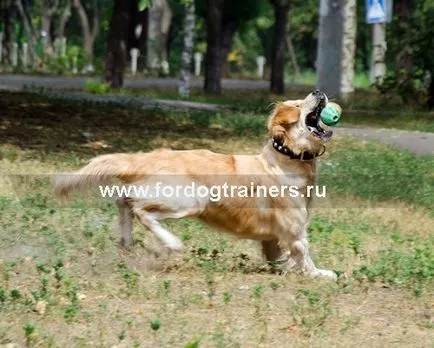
313 123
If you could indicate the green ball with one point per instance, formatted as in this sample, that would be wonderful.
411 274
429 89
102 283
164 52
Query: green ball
330 116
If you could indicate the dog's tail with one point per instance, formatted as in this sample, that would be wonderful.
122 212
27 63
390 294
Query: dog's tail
100 170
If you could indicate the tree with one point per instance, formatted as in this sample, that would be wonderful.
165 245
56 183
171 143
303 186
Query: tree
281 9
23 8
336 48
214 64
223 18
160 17
48 10
89 30
187 53
118 42
63 20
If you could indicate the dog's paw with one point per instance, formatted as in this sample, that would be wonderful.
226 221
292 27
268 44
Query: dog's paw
174 244
324 273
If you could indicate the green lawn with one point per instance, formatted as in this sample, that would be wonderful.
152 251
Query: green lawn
64 281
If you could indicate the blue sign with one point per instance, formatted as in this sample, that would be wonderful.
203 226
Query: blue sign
377 11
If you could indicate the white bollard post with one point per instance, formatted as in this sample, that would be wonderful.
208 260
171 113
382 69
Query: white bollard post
197 63
25 55
134 57
74 65
1 46
63 47
261 63
165 67
14 57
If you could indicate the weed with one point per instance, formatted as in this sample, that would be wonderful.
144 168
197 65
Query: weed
43 268
227 296
313 297
71 311
96 87
194 343
155 324
412 269
15 294
258 290
167 286
274 285
355 243
43 290
121 335
129 277
211 285
3 295
29 331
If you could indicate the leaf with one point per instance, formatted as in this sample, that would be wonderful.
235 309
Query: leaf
194 343
144 4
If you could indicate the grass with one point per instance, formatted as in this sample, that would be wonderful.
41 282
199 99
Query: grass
65 282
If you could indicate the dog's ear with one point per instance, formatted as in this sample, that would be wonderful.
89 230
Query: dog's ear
281 120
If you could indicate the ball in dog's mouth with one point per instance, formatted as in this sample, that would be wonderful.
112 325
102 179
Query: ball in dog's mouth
314 124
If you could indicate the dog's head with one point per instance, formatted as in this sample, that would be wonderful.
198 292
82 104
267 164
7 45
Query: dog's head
297 123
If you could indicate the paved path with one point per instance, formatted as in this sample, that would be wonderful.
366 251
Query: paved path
420 143
18 82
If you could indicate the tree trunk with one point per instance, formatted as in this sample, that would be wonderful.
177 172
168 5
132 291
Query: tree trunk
228 32
48 11
349 33
160 17
329 48
138 31
64 18
8 16
213 71
430 101
279 48
23 12
89 32
190 19
404 10
117 43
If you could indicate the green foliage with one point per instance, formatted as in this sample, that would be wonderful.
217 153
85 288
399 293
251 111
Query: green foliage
194 344
413 268
144 4
155 324
96 87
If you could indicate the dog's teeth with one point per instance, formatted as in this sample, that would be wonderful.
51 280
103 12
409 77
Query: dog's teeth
275 144
280 148
285 150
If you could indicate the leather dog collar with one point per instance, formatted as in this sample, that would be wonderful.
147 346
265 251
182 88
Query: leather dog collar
279 146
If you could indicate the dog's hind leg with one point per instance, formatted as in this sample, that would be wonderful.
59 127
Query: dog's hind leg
150 220
273 252
125 222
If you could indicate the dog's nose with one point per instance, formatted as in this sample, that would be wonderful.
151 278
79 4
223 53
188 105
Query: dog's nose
317 93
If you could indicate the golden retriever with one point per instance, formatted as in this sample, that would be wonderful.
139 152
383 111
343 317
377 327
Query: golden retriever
279 222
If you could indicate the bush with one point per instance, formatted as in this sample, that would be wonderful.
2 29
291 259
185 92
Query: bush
96 87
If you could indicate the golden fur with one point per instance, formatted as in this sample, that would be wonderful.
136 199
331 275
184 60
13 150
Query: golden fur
279 223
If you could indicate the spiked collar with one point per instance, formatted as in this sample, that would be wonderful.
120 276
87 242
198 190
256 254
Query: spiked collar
279 146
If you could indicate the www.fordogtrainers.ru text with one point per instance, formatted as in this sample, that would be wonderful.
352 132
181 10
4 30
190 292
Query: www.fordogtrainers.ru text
215 193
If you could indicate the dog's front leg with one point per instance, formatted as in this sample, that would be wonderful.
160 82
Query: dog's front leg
300 260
